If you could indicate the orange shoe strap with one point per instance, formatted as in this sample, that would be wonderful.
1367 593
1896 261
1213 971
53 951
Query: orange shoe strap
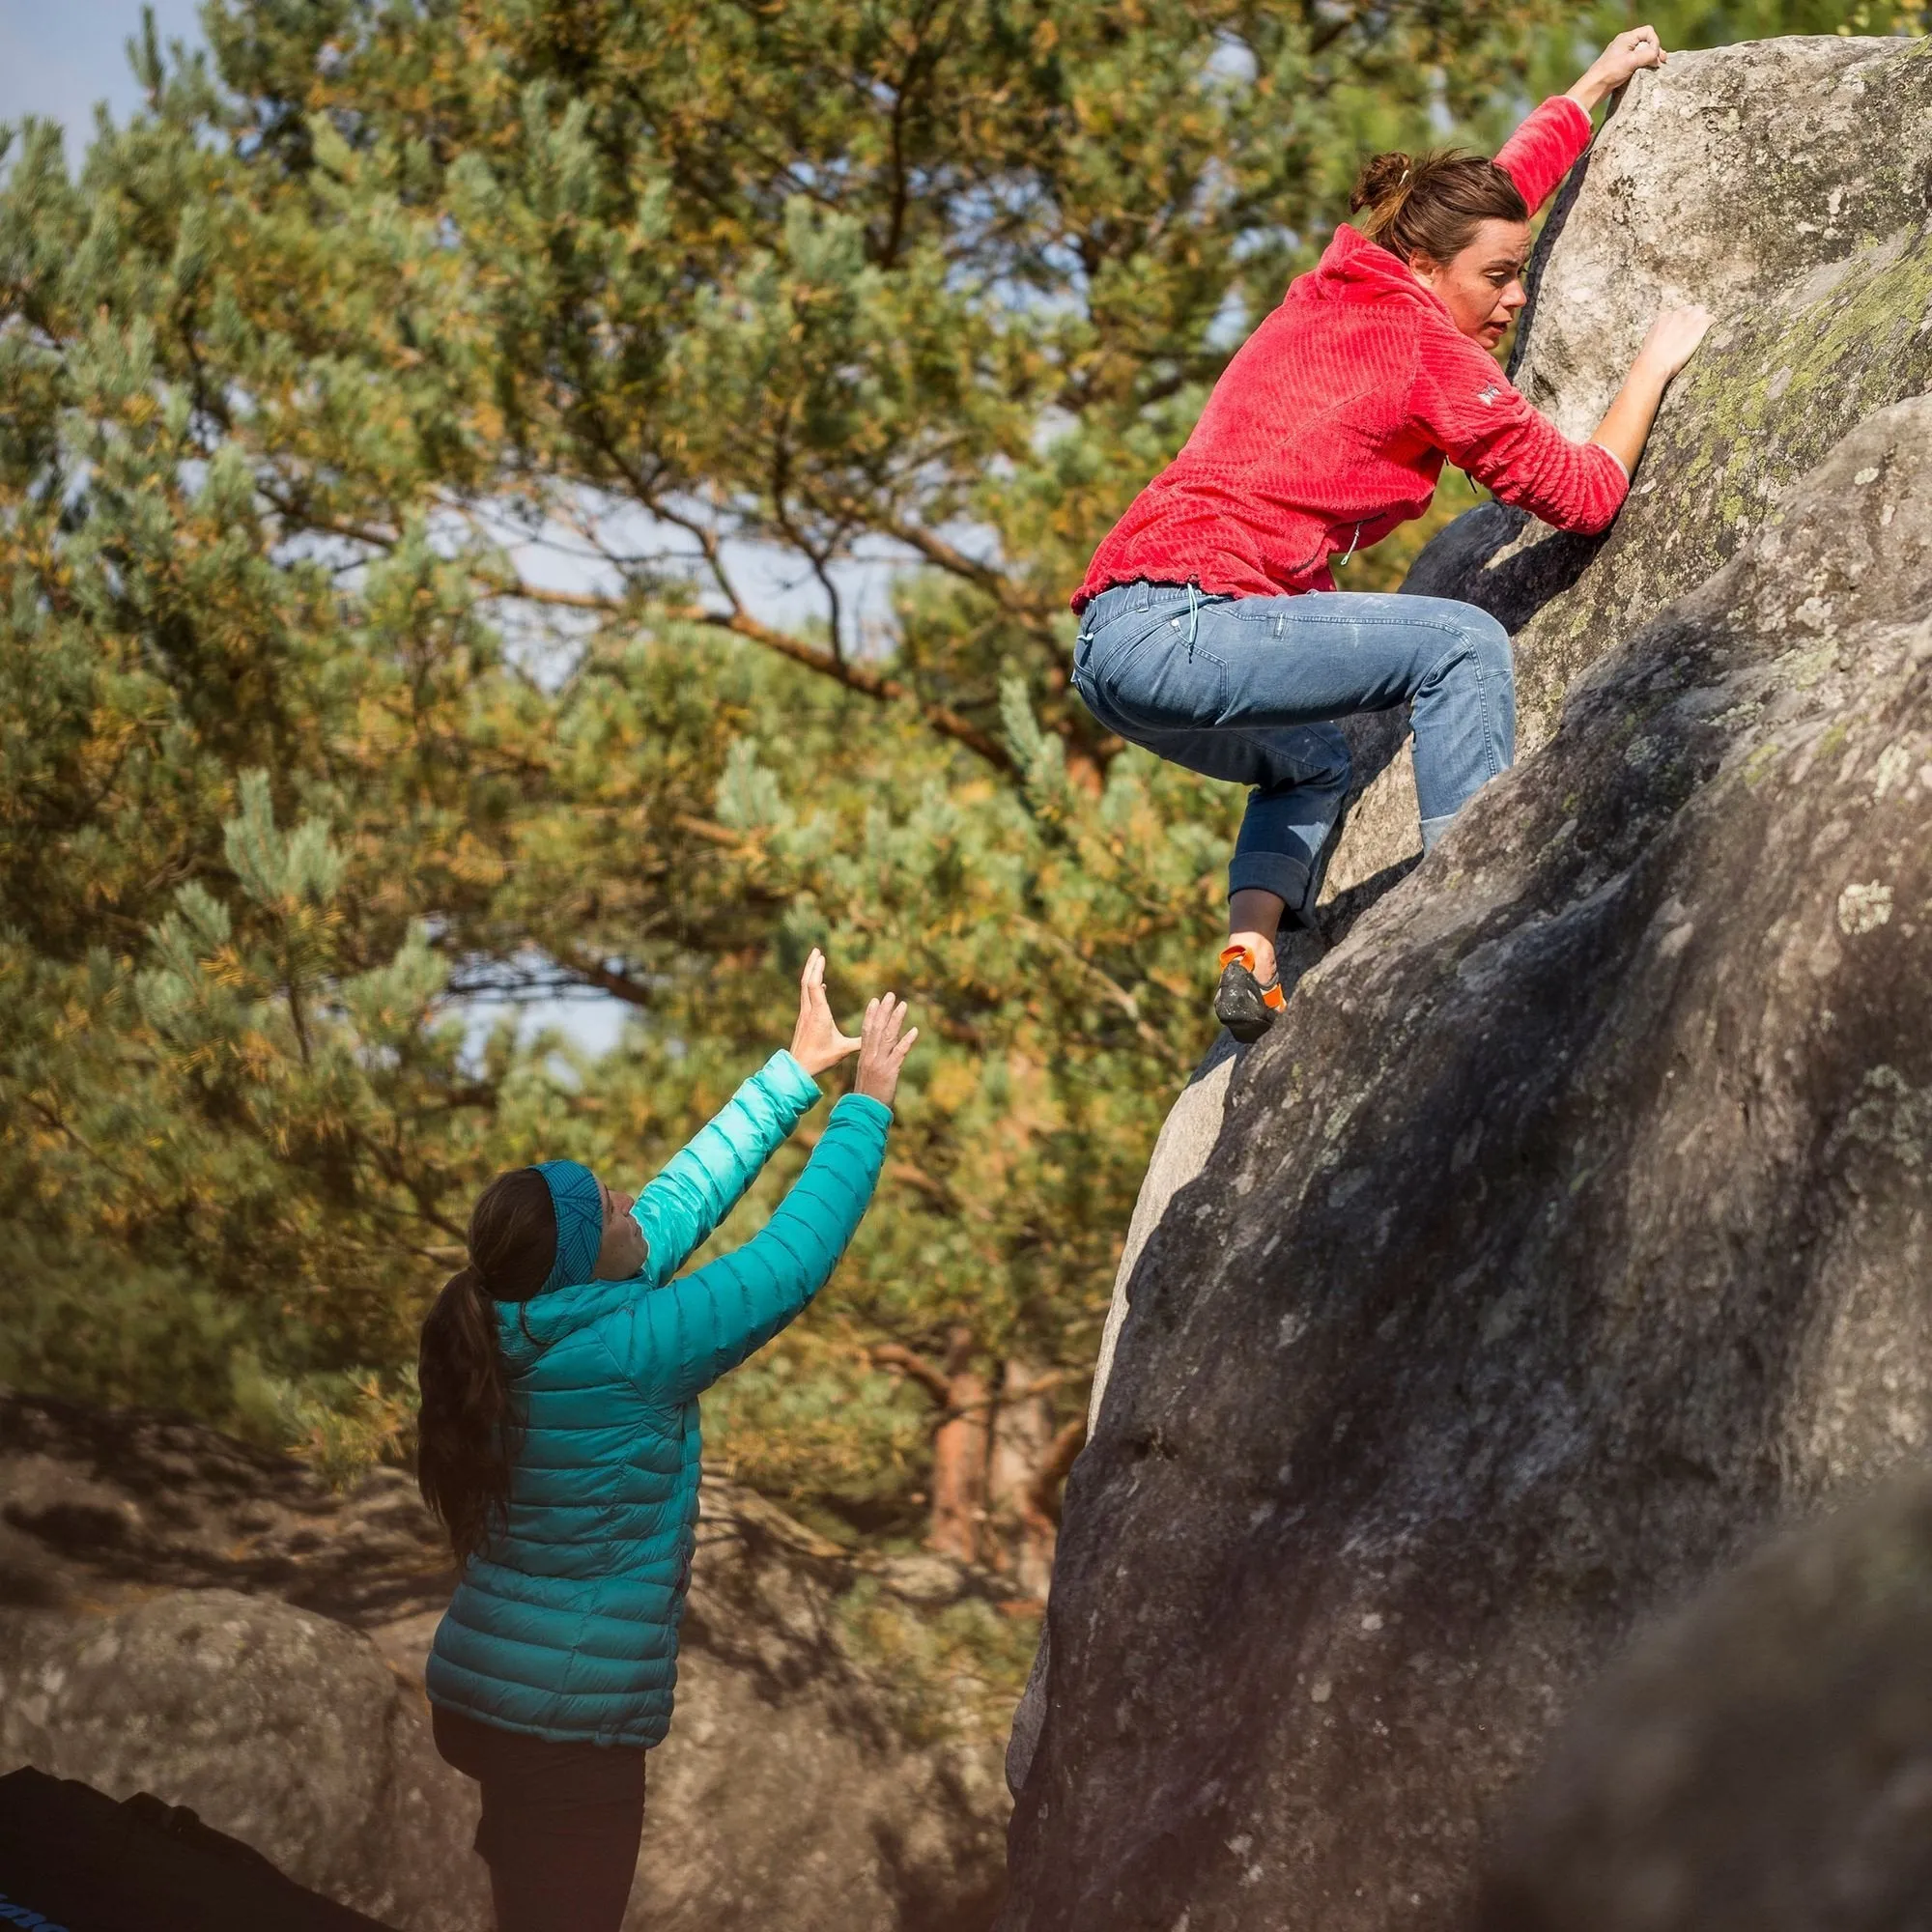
1272 996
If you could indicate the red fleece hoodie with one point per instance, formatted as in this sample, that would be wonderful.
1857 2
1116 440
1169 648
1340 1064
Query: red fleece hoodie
1330 425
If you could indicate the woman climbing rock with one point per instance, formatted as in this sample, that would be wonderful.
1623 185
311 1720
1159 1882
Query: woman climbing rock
560 1371
1211 632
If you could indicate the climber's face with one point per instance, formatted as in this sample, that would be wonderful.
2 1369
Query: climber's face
623 1251
1481 286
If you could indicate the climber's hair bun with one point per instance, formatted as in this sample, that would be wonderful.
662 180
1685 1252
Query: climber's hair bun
1432 203
1383 183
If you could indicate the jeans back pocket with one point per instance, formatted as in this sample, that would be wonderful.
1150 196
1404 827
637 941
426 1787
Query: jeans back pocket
1158 681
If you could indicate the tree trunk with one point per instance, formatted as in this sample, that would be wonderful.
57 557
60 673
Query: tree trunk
1022 1442
959 1456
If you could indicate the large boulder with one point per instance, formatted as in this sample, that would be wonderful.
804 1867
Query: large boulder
789 1792
278 1726
1764 1759
185 1614
1572 1225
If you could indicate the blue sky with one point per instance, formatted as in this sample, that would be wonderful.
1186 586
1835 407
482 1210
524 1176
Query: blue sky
59 57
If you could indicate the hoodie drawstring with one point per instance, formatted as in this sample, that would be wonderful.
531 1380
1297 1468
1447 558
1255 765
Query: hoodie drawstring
1193 615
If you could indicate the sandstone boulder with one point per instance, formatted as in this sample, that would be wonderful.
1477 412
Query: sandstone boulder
278 1726
1784 185
1763 1760
1573 1224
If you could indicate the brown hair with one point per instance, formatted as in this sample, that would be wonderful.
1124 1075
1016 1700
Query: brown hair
468 1435
1433 204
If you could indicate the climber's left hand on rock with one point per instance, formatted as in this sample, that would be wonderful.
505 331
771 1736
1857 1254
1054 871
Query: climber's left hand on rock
1629 51
1673 340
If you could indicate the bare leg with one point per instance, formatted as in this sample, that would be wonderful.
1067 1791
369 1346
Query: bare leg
1254 918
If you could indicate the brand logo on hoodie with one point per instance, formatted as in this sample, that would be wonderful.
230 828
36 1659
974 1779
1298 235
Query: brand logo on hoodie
1491 394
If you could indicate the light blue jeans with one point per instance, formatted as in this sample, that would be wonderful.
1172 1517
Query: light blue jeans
1246 689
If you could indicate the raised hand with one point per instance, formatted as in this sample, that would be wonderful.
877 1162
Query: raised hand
816 1043
1671 343
882 1050
1629 51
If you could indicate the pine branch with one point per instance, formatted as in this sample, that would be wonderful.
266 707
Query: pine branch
1042 1493
859 677
943 718
932 1379
938 1385
612 979
1109 988
52 1117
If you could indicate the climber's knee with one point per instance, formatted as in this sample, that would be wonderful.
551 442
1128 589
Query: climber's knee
1483 641
1474 675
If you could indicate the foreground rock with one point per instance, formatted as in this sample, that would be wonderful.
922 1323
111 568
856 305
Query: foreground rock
184 1615
276 1726
1764 1760
1573 1224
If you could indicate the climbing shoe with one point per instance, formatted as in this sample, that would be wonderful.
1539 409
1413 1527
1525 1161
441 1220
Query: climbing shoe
1242 1004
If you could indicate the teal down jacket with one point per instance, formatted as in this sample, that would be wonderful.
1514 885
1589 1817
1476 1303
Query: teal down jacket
568 1629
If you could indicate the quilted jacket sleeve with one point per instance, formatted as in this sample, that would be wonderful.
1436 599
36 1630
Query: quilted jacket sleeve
704 1181
1544 149
675 1340
1466 406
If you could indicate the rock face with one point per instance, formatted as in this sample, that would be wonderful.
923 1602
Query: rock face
1573 1225
786 1793
276 1726
1765 1760
182 1614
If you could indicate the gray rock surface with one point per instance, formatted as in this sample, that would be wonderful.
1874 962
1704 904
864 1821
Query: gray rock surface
1573 1224
276 1726
1180 1150
787 1793
185 1614
1763 1760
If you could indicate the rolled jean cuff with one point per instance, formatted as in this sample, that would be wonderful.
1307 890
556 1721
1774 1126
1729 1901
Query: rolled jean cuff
1269 872
1433 829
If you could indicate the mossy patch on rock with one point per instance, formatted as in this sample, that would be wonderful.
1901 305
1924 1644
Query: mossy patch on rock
1768 394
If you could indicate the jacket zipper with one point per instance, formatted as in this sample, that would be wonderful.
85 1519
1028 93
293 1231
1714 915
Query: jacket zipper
1314 558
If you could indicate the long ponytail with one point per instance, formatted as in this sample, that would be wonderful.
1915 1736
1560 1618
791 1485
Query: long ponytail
469 1433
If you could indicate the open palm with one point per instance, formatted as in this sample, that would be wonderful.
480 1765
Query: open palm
816 1043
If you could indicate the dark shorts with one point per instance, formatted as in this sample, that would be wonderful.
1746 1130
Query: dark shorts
560 1825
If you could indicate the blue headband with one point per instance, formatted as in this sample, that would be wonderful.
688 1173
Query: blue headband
580 1222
